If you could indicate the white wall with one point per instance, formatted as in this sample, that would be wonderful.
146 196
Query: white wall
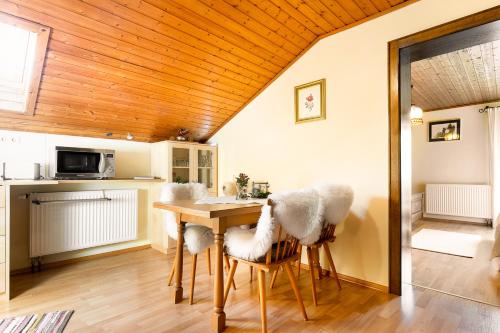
352 145
452 162
132 158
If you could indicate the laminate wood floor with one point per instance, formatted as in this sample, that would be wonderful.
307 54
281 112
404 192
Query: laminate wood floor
468 277
128 293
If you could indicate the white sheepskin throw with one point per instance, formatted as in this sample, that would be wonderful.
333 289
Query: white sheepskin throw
254 243
191 191
197 238
300 213
337 201
169 223
175 191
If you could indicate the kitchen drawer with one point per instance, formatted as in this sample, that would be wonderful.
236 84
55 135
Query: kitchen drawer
2 221
2 196
2 249
2 278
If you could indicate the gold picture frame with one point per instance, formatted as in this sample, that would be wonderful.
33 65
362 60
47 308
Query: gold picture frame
306 109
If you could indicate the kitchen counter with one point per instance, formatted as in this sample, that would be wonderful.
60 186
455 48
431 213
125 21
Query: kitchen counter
78 181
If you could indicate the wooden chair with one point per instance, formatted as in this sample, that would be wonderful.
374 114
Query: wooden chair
337 201
281 254
327 236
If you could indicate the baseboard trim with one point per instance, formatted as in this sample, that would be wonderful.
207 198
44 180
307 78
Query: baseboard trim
351 279
455 219
72 261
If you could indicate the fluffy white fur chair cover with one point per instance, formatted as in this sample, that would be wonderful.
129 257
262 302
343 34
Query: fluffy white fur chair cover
301 213
254 243
337 200
196 238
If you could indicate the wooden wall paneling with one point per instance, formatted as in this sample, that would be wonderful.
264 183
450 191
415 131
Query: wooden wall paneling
325 13
161 10
187 108
339 11
223 58
496 61
164 23
353 9
232 18
367 7
310 13
146 76
169 103
461 77
159 65
489 69
159 54
311 25
268 14
176 38
260 23
381 5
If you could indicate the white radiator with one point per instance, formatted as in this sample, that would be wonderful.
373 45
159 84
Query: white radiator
67 221
458 200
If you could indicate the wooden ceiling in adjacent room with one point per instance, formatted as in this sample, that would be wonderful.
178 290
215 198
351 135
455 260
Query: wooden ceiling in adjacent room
149 67
464 77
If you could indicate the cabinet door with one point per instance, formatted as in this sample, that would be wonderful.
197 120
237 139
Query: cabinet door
206 167
181 163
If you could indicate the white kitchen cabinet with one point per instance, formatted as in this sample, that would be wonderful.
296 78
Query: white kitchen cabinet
183 162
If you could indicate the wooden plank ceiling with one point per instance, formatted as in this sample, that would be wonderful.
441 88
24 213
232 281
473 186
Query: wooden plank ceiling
464 77
149 67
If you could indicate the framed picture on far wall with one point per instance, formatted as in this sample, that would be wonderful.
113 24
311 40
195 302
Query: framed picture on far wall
444 130
310 101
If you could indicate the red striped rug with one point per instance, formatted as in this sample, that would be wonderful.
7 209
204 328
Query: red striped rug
52 322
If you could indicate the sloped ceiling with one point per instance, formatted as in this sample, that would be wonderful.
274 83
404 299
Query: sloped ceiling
464 77
149 67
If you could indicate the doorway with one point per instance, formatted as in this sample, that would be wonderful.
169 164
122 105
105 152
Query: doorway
467 32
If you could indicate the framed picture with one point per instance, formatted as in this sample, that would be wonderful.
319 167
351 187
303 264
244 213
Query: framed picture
445 130
310 100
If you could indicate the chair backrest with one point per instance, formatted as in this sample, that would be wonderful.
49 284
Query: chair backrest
337 201
175 191
286 244
189 191
300 213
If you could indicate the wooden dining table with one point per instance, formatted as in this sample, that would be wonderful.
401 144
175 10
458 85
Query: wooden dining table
217 217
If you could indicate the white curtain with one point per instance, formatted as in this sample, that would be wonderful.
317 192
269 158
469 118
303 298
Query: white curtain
494 133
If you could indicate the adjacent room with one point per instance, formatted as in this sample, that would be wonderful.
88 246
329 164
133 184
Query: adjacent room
454 199
249 166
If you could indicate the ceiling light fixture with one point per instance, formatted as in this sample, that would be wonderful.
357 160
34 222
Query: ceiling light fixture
416 115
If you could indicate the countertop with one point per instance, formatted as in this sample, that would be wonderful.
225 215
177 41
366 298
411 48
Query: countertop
78 181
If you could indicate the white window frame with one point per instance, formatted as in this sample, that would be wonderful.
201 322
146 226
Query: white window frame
43 34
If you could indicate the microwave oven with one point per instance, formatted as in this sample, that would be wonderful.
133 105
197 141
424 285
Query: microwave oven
84 163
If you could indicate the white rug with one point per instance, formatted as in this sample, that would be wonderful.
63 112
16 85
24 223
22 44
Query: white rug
455 243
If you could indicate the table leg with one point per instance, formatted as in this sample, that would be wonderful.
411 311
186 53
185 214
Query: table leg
179 258
219 316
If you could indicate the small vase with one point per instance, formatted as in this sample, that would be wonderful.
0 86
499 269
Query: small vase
241 192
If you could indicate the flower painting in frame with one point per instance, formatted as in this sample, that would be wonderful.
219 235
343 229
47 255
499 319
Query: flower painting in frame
310 101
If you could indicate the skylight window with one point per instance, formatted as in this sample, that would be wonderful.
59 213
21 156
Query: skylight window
23 51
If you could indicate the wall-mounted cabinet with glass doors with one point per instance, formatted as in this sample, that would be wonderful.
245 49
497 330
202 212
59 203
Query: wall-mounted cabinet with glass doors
184 162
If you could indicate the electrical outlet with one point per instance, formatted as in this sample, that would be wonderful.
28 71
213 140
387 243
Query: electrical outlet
10 139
